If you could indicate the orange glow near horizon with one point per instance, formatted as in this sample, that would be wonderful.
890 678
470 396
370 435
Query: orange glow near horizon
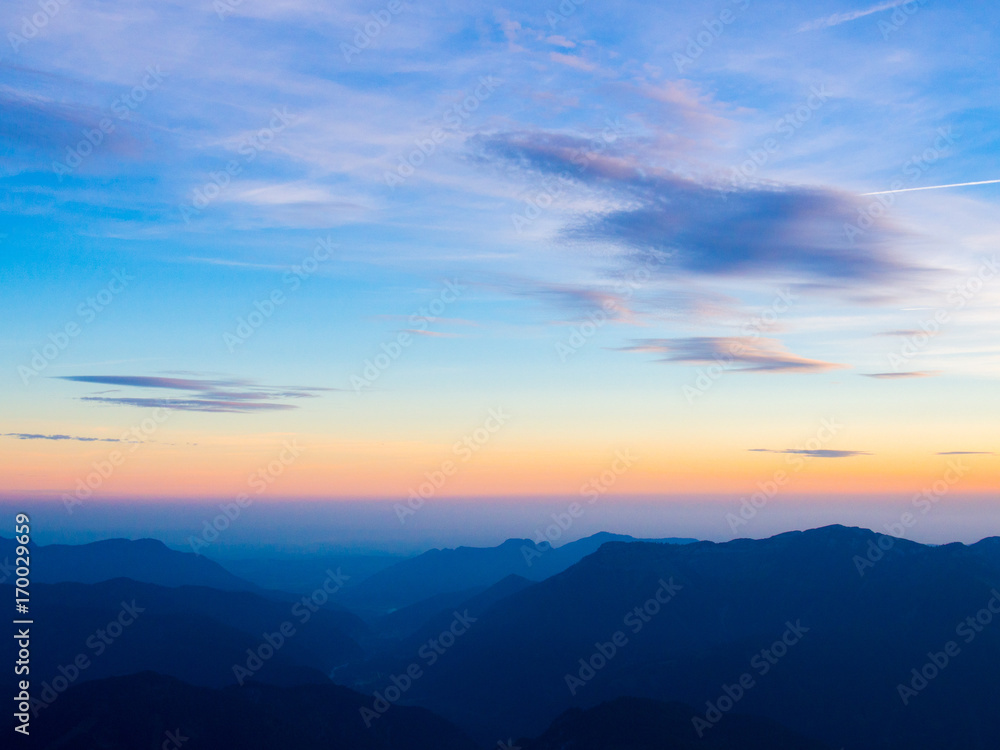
368 469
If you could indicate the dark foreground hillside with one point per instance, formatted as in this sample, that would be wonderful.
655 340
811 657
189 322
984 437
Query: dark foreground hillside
643 724
152 711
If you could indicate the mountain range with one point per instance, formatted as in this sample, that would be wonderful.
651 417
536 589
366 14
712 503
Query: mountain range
835 637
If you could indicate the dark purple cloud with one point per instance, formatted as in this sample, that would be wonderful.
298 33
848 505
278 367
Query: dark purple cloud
722 230
225 395
191 404
48 126
818 453
34 436
143 381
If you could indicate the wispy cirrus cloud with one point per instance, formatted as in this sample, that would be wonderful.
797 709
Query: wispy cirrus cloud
965 453
900 332
901 375
575 301
579 300
560 41
621 298
816 453
34 436
437 319
739 353
434 334
217 395
573 61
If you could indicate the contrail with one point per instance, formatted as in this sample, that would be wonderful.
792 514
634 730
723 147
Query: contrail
933 187
838 18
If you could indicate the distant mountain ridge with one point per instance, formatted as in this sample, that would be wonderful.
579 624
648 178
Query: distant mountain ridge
465 569
401 623
146 560
299 573
193 633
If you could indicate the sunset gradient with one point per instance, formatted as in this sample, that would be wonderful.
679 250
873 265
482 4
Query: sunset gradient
493 250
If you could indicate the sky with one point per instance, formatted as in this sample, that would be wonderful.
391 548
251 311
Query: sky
395 255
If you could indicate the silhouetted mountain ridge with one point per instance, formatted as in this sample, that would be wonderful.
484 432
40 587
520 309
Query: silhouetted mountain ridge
193 633
146 560
861 616
852 612
465 569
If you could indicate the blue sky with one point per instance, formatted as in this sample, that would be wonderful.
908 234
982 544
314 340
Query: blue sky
624 197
